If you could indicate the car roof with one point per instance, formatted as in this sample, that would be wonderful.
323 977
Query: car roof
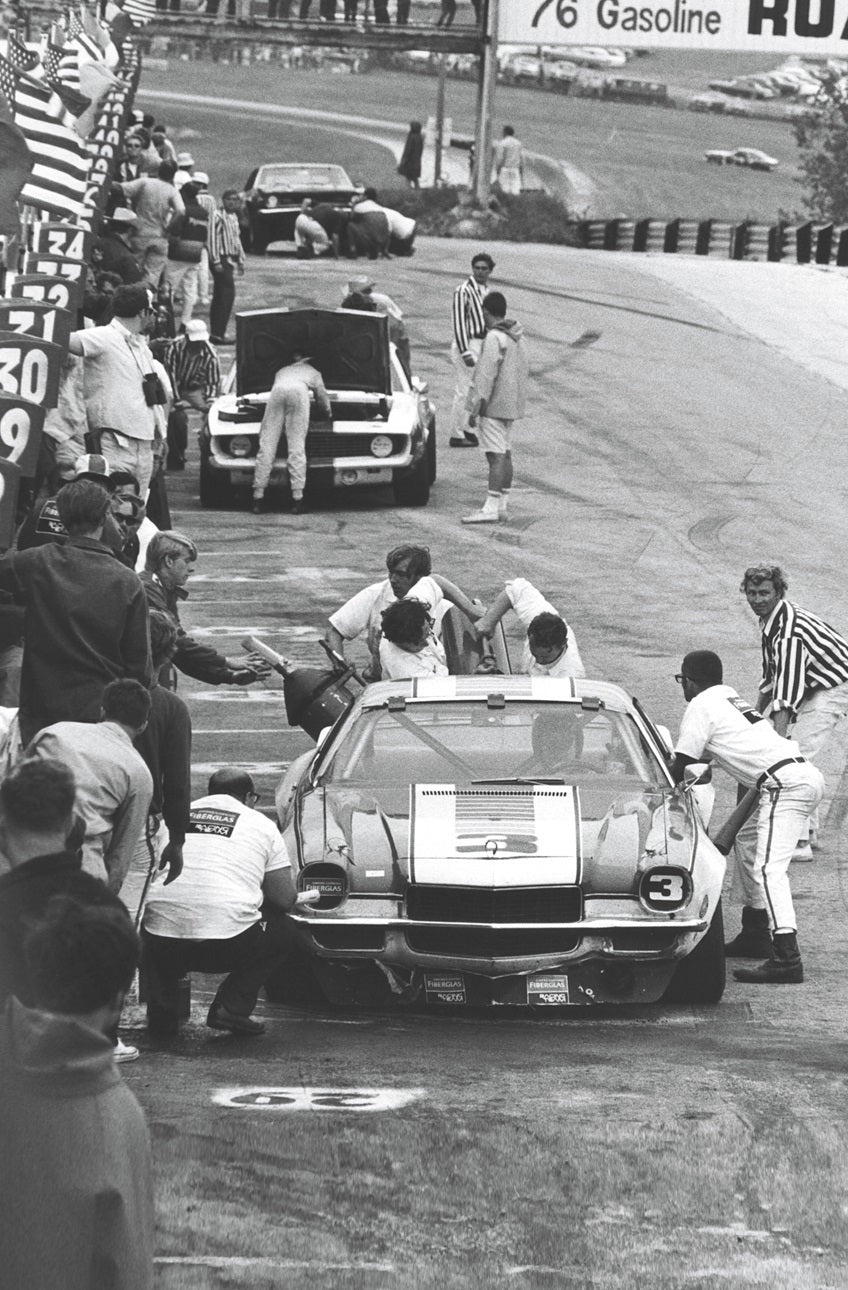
450 689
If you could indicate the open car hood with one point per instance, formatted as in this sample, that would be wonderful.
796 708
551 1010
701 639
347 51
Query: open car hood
349 349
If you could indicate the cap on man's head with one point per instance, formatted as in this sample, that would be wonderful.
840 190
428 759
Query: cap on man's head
360 284
702 666
92 465
232 780
200 177
196 329
123 215
185 159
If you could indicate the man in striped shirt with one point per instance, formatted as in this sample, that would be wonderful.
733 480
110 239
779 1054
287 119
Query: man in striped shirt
469 328
195 373
226 256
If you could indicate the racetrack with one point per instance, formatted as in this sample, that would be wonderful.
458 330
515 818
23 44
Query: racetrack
657 1149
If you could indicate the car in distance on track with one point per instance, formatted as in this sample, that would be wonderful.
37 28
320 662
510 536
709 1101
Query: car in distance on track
509 840
274 193
383 429
754 158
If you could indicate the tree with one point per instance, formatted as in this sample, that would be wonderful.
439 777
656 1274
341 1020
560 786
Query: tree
822 138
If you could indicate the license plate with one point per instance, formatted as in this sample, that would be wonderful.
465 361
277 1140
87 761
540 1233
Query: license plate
442 987
548 991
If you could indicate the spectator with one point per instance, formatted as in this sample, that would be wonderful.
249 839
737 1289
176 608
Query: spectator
207 201
76 1197
368 229
171 558
185 170
447 14
408 647
162 146
43 524
401 227
413 150
509 162
85 620
550 648
133 164
66 425
113 245
97 301
195 374
334 222
288 410
122 386
187 236
363 285
128 513
211 918
114 787
125 484
226 257
402 18
165 745
469 328
310 236
156 203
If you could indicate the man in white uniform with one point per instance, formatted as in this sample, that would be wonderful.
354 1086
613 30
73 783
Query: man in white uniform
508 161
209 919
550 648
288 410
719 726
408 647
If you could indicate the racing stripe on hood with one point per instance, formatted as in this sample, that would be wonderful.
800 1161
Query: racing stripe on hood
520 836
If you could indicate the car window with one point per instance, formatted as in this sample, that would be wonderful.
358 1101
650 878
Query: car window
462 742
293 178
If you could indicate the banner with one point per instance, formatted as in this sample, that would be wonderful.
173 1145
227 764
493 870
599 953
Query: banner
21 426
758 26
32 318
30 368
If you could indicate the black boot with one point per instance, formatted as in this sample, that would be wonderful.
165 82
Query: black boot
754 941
784 968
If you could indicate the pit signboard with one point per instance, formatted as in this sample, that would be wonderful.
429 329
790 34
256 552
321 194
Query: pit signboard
29 368
21 425
36 318
66 240
61 292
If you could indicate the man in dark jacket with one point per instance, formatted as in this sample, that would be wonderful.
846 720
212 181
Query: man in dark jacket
85 621
170 561
113 246
187 237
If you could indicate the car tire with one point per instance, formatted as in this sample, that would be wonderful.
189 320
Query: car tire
700 978
215 492
431 452
413 487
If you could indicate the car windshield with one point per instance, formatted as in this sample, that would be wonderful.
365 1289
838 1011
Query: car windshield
427 743
294 178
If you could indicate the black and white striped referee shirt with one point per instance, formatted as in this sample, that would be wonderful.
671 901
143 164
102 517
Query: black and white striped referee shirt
801 653
468 321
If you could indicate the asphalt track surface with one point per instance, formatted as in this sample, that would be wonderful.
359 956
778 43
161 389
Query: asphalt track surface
651 469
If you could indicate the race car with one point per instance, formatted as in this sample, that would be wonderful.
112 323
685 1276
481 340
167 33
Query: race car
274 193
383 429
754 158
513 840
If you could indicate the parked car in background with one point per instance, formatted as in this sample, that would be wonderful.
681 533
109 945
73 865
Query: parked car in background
484 840
754 158
274 193
383 429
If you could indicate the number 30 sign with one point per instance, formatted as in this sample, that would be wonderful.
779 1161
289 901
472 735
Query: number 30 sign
29 368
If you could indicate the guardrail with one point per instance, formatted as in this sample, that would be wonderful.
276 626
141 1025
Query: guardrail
801 243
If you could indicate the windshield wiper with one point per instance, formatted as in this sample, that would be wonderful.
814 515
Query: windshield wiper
520 779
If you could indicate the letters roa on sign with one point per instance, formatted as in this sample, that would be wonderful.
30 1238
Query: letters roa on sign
10 477
44 321
29 368
61 292
55 266
65 240
766 26
21 425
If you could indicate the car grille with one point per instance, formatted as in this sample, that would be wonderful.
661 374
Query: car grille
349 937
489 943
498 905
323 445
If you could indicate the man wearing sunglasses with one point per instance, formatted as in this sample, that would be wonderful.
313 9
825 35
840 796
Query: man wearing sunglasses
719 726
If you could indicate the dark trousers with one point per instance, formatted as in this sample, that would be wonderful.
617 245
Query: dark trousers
402 16
350 7
248 959
381 11
177 438
223 298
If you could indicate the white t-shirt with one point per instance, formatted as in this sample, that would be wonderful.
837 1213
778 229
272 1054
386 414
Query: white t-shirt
401 226
228 850
364 611
399 664
719 726
528 601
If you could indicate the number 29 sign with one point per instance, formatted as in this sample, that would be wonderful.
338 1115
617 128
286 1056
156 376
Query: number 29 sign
21 425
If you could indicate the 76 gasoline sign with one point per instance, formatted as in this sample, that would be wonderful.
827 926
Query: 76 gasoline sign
780 26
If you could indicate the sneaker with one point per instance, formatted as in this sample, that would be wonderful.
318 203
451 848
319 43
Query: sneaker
220 1018
803 854
481 517
462 441
124 1052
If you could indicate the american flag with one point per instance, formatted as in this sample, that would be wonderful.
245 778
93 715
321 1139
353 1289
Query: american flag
52 60
21 58
139 11
58 179
86 43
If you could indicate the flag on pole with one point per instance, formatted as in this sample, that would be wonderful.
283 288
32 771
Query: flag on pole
140 11
58 179
21 58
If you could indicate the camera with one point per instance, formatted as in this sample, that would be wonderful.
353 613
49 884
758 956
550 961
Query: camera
154 391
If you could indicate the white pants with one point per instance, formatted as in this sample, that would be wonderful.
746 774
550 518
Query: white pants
204 285
288 409
135 455
184 280
813 728
765 843
462 377
143 868
509 180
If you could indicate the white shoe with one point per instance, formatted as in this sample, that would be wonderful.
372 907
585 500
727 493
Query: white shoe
125 1052
481 517
803 854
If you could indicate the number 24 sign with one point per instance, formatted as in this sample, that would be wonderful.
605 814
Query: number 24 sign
29 368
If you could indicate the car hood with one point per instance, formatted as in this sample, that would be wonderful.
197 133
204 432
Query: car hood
349 349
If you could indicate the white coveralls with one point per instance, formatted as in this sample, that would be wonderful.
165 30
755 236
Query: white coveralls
288 409
718 725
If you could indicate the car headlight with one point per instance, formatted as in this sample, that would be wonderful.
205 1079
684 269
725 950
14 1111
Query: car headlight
328 879
381 446
240 446
272 200
664 889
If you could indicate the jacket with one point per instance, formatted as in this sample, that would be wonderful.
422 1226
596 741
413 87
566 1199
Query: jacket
499 385
76 1193
200 661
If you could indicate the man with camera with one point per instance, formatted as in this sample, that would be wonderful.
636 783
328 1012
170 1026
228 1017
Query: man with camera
125 393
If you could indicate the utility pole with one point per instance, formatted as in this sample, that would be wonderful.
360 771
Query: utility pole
440 123
485 104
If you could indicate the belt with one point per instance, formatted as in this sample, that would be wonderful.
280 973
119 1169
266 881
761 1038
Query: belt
778 765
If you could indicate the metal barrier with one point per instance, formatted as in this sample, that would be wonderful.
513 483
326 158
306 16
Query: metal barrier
804 244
